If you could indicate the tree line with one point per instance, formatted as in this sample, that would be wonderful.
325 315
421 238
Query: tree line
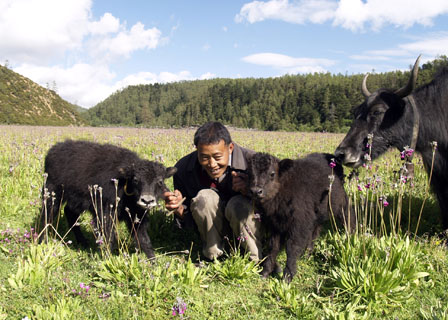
310 102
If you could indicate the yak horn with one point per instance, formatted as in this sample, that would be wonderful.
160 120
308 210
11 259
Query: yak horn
364 89
407 90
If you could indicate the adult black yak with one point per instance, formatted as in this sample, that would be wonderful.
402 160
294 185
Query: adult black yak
129 186
404 118
293 199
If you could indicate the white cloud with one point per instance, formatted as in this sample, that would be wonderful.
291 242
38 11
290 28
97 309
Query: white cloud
42 31
289 64
369 57
86 85
82 84
207 76
316 11
107 24
162 77
430 45
38 30
355 14
126 42
151 78
349 14
60 41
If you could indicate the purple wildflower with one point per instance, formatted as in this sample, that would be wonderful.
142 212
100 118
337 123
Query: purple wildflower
406 153
241 238
85 287
332 164
179 308
384 201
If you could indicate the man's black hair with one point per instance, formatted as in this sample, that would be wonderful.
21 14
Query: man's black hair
212 133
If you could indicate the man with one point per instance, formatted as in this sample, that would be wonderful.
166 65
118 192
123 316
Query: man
214 188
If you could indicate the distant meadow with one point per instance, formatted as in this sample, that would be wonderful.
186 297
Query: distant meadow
394 266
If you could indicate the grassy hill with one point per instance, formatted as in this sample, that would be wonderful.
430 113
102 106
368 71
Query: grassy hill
23 101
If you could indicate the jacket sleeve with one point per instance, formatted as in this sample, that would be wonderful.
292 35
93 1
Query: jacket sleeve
179 185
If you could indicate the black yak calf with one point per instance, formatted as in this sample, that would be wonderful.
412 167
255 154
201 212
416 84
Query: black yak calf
93 177
292 196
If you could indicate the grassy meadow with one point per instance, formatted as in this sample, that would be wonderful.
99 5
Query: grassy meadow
394 266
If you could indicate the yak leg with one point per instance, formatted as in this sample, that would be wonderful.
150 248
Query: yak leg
270 262
141 237
438 184
72 220
443 203
295 246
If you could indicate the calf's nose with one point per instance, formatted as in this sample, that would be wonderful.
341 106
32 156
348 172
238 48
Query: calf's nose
147 201
257 191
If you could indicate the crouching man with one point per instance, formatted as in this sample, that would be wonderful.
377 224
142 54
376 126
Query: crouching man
214 188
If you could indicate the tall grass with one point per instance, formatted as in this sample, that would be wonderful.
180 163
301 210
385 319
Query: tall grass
380 270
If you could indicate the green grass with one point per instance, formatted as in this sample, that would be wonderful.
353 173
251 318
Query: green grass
382 271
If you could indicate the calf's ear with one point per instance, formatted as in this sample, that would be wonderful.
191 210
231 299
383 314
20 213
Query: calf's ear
126 172
284 165
170 171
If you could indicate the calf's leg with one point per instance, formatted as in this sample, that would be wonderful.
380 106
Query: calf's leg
295 246
270 262
141 237
72 219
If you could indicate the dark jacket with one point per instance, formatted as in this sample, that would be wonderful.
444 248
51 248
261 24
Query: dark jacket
187 178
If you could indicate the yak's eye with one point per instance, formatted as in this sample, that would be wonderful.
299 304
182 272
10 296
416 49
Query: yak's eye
376 113
160 182
272 174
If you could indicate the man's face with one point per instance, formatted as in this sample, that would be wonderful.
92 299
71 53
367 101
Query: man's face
214 158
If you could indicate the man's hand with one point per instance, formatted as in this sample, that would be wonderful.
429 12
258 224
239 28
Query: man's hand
173 202
240 182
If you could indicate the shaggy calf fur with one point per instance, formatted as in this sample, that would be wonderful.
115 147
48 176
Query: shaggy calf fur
292 196
74 170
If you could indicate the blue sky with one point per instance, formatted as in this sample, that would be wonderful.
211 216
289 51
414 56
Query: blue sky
92 48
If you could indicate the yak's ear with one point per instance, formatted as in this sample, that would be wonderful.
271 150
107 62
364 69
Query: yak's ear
126 172
170 171
284 165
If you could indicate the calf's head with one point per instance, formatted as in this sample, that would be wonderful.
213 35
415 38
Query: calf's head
144 182
264 172
379 123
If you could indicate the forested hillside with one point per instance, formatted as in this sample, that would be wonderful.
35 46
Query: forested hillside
295 102
22 101
311 102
